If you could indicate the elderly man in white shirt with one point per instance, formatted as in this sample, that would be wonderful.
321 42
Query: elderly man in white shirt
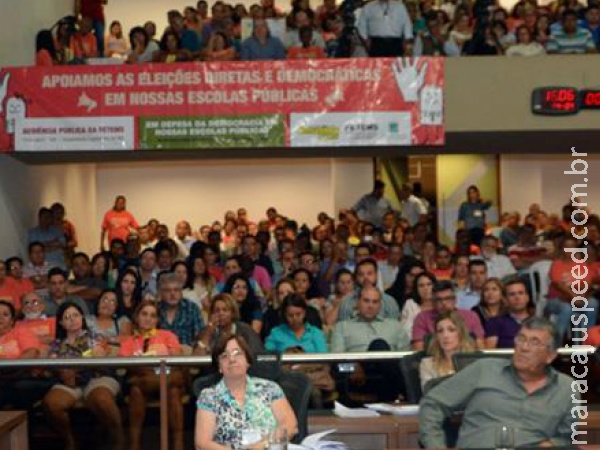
498 266
386 27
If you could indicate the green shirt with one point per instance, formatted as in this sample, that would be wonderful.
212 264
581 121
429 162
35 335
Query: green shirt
355 334
491 395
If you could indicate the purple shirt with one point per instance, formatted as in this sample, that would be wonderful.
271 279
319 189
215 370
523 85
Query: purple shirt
424 324
505 328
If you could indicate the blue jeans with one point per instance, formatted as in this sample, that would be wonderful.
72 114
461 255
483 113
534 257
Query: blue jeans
99 32
563 311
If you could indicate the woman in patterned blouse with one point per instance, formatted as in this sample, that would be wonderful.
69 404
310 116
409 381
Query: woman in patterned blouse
96 388
239 409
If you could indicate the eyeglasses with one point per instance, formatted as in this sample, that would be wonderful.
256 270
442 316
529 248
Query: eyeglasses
72 316
522 341
108 300
231 354
34 302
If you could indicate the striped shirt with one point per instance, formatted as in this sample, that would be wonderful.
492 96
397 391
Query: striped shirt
579 42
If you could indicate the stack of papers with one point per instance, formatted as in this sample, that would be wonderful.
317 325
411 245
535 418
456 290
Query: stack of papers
397 410
314 442
343 411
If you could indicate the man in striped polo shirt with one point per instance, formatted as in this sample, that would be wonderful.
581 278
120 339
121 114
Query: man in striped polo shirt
571 39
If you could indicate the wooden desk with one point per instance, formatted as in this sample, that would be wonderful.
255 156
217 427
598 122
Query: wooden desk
369 433
13 430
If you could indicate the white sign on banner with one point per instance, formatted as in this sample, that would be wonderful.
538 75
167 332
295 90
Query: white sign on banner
75 134
350 129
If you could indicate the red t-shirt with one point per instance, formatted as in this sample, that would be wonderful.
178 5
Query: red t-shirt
162 343
15 342
117 223
442 274
10 291
93 9
560 271
86 46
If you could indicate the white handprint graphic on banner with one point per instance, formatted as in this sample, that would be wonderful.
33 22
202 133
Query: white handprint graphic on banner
408 77
4 90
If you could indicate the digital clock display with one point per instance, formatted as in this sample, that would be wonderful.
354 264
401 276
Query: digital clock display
589 99
556 101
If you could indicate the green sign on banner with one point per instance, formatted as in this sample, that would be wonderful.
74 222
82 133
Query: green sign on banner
256 130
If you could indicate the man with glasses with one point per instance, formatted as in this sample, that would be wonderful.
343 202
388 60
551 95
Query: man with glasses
35 321
444 300
525 395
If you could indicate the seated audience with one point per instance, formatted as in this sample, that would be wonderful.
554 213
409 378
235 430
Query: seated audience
492 391
9 288
142 47
95 387
422 300
220 422
564 287
344 288
57 293
444 300
498 266
129 291
189 41
368 330
471 294
224 318
51 236
86 45
110 324
571 38
492 300
295 331
261 45
219 48
433 41
526 45
36 322
500 331
443 263
451 336
250 307
116 45
366 276
403 286
527 250
177 314
148 340
45 51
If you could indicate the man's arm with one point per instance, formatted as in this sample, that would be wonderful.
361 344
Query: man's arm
439 403
337 339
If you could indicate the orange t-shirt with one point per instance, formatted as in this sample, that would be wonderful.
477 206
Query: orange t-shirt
43 329
10 291
162 343
593 336
312 52
15 342
442 274
560 271
23 286
117 223
86 46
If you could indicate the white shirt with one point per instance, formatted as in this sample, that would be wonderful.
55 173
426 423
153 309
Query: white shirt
292 39
387 19
387 274
410 310
412 209
531 49
499 266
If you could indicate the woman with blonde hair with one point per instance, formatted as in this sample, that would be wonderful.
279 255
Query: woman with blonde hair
451 336
224 318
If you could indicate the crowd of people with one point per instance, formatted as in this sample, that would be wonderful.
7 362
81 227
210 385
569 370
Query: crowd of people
371 279
386 28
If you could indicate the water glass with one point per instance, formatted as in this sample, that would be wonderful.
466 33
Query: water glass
505 438
278 439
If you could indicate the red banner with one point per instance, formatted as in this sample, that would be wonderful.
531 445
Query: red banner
234 104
